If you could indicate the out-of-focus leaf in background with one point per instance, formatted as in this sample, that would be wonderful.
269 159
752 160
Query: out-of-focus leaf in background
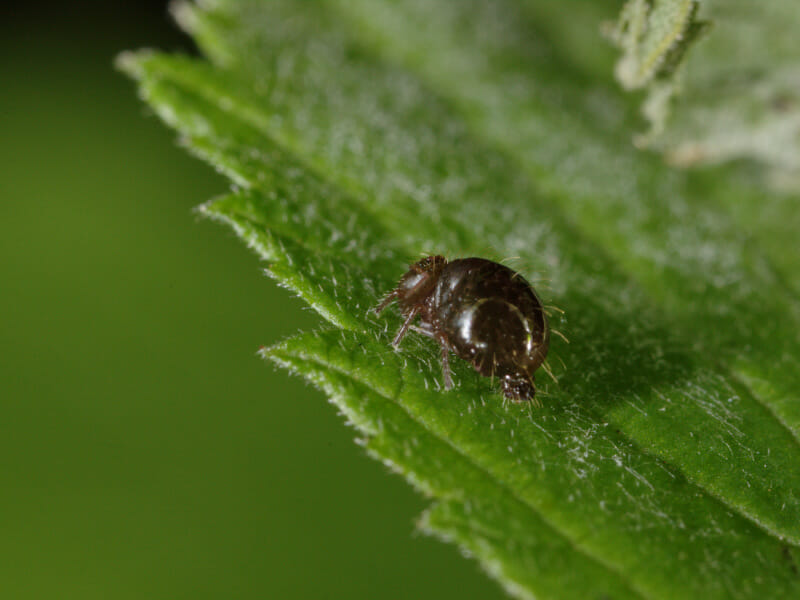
722 80
359 134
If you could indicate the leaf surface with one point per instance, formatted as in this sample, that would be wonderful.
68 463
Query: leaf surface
360 134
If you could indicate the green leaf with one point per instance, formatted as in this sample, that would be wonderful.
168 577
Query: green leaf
359 134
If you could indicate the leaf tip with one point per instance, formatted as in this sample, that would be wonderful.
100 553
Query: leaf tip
207 209
130 62
184 14
264 352
278 353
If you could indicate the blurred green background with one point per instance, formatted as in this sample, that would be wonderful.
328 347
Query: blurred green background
145 451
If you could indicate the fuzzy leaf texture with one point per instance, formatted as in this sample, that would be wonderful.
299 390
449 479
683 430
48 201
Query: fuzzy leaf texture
360 134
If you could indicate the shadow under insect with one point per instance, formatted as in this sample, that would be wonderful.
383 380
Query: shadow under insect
617 353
